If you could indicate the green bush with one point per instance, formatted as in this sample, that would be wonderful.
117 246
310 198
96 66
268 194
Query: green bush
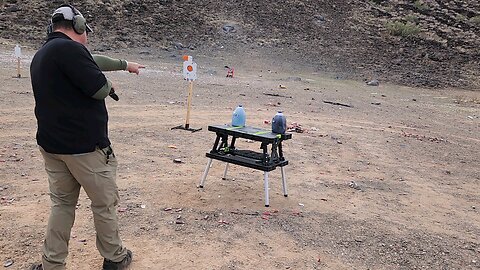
475 20
402 29
460 18
412 18
420 5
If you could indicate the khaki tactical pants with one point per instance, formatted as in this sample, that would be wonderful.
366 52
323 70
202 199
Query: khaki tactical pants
96 173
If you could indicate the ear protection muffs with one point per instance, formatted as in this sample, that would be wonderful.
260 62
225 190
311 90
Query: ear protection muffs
79 24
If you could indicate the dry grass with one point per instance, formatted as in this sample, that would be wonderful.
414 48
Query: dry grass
475 20
402 29
420 5
466 100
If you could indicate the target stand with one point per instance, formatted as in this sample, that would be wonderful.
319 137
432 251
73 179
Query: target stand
18 56
187 127
189 74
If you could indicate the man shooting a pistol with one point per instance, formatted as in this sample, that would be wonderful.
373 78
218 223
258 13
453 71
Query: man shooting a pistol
69 89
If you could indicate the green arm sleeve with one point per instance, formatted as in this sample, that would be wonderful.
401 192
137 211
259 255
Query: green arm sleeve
104 91
106 63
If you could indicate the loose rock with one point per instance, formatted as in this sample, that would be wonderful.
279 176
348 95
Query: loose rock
373 83
8 263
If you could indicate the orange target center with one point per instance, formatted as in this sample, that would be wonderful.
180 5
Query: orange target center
189 68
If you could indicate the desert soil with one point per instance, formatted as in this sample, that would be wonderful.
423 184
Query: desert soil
391 182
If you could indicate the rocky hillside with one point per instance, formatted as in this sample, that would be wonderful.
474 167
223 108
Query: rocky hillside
429 43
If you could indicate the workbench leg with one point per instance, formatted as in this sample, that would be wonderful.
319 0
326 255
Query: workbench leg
225 172
265 181
205 172
284 182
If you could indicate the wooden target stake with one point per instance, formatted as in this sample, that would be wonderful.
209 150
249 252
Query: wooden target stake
18 68
189 104
18 55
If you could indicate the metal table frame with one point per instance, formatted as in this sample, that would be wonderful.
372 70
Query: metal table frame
224 151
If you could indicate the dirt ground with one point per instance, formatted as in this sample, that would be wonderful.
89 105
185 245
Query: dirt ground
389 183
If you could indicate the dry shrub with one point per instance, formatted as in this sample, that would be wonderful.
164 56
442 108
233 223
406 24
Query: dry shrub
475 20
403 29
466 100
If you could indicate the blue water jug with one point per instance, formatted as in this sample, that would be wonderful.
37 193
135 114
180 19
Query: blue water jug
279 123
239 117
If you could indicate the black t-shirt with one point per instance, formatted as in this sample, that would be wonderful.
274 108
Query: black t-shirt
64 79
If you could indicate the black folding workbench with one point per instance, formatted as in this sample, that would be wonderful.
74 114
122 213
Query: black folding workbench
267 160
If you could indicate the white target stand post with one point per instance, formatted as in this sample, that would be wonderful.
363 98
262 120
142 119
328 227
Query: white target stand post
189 74
18 56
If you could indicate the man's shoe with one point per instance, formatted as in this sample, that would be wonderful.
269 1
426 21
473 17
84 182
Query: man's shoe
36 267
109 265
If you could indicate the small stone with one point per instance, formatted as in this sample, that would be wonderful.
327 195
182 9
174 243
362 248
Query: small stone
8 263
177 160
354 185
373 83
473 207
319 17
294 79
229 29
221 221
178 45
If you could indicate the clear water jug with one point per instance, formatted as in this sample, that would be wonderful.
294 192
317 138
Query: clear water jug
279 123
238 117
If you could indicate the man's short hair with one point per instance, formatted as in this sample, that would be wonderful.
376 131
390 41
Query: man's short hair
62 24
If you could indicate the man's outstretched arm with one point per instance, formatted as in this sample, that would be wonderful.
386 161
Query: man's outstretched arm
106 63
